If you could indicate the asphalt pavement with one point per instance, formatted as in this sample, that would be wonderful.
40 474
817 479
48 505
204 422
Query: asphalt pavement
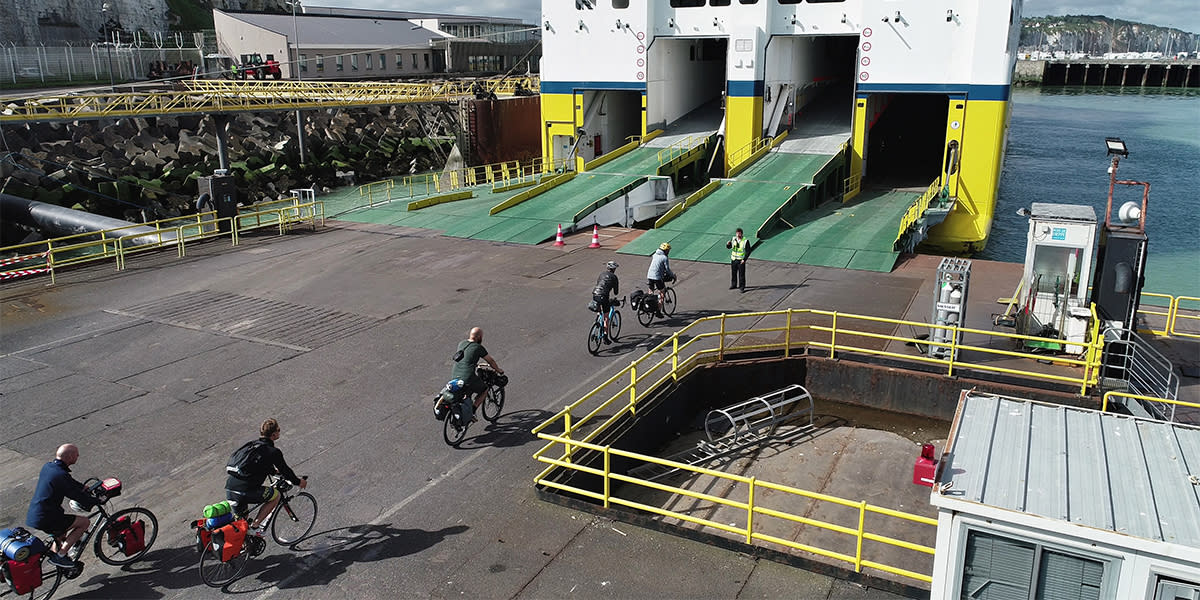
160 371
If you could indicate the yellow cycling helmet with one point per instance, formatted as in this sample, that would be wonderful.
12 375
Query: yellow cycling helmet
665 247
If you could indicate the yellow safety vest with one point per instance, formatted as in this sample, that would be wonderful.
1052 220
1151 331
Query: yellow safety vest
739 249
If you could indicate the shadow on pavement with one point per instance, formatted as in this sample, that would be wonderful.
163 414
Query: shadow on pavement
509 431
163 568
323 557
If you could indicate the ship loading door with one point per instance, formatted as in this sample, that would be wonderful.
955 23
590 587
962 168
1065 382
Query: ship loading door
952 158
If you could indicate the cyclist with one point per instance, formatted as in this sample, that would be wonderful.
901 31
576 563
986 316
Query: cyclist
265 460
470 352
46 512
606 283
659 274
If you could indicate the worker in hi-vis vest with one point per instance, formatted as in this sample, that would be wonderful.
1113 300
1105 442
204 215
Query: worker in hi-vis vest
737 260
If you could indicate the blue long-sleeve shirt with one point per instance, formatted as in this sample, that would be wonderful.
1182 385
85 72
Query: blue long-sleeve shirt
54 484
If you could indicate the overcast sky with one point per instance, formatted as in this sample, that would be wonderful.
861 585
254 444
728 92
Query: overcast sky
1181 14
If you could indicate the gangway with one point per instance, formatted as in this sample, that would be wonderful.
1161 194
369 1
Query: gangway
740 426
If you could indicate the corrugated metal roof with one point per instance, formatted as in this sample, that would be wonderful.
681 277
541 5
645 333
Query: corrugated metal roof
1067 212
344 31
1122 474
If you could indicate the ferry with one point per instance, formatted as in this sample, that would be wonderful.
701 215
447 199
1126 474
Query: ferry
902 94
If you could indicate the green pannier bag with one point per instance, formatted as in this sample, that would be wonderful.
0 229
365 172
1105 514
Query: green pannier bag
216 510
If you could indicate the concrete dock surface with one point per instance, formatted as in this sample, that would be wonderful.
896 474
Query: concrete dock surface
160 371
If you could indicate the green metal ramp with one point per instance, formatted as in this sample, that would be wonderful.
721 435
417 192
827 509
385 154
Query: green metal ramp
857 235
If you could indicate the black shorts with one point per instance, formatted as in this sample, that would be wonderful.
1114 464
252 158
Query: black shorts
603 301
475 385
655 284
256 496
55 525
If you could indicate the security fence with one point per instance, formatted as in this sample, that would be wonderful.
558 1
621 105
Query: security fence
102 62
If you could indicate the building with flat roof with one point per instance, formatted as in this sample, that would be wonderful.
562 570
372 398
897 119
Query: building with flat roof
341 43
1045 501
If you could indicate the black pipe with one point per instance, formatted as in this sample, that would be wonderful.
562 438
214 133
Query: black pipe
58 221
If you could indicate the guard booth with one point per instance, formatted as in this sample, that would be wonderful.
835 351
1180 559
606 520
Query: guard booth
1046 501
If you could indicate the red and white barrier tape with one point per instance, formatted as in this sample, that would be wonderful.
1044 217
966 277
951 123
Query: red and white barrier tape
17 259
22 273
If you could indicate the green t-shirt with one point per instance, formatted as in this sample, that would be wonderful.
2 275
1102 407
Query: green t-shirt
473 352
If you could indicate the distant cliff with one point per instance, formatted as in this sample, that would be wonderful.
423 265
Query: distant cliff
56 22
1095 35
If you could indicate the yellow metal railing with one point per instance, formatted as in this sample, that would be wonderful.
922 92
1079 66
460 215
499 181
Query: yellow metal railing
853 185
1175 320
1115 394
746 155
121 242
679 148
498 175
204 96
919 206
758 512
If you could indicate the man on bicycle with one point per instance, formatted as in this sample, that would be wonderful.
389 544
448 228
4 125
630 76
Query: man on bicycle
46 512
470 352
245 485
607 283
659 274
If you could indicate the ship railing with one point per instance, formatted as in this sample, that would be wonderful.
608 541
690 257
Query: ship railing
745 156
1111 395
917 209
680 148
119 243
437 182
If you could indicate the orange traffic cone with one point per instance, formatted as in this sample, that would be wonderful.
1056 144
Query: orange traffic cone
595 237
558 239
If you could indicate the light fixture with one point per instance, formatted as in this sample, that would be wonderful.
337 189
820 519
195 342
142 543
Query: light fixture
843 17
716 22
949 15
547 25
1116 146
581 25
897 17
793 19
670 22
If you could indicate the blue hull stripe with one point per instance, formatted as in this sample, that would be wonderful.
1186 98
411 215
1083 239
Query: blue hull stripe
973 92
569 87
745 89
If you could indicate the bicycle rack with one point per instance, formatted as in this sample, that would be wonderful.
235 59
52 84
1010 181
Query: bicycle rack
739 426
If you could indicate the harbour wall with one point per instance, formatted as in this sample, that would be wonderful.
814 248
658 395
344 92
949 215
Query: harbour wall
1109 72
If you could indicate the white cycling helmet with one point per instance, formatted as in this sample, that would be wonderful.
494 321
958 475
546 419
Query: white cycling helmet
611 265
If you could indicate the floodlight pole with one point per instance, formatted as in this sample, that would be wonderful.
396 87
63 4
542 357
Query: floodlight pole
299 65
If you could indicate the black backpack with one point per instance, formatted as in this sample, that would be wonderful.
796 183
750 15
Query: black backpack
250 461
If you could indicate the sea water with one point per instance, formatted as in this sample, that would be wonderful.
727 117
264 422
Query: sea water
1056 153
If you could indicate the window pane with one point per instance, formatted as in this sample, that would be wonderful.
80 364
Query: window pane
996 568
1069 577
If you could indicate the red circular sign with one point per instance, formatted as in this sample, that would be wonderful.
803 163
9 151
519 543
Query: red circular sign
641 49
866 60
866 46
867 32
863 76
641 75
641 35
641 62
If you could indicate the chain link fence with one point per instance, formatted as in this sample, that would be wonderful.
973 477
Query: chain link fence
124 59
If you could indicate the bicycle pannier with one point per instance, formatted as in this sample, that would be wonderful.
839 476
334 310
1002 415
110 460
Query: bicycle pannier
129 536
24 575
18 544
249 461
229 539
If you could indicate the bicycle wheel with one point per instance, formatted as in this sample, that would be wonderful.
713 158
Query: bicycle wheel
645 316
215 573
669 302
493 403
614 324
52 576
294 518
109 548
451 430
595 337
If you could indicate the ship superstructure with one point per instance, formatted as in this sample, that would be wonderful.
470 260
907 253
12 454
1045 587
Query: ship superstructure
904 92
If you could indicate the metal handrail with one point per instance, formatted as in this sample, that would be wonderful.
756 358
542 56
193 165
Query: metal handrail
753 507
919 206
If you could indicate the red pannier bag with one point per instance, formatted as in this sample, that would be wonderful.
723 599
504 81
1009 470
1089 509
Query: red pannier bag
24 575
230 538
129 536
